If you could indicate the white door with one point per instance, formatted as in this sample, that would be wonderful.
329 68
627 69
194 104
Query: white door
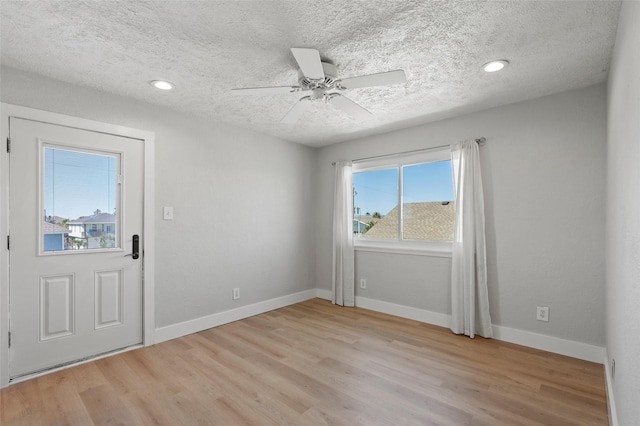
76 203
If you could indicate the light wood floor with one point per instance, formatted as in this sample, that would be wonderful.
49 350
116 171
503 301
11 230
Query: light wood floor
316 364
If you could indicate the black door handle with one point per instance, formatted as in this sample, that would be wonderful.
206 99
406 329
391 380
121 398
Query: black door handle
135 251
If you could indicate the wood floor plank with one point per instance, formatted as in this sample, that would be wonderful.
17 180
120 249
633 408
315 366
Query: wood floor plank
22 403
154 372
88 376
239 381
105 407
148 407
314 363
191 410
119 375
61 399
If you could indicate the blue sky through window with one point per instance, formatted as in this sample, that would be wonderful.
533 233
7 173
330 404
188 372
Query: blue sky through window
377 190
78 183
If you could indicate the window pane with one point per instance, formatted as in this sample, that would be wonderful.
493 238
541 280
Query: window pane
428 207
375 204
80 200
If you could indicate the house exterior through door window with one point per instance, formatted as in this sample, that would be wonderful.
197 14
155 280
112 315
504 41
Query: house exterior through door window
80 196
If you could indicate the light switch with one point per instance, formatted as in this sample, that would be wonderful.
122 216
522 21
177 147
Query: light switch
167 213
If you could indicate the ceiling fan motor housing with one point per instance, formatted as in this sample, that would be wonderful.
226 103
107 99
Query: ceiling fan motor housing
329 80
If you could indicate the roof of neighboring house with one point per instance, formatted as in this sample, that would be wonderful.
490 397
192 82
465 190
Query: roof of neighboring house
55 219
429 221
366 219
96 218
52 228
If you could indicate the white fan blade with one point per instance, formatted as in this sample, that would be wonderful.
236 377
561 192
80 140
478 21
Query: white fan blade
350 107
275 90
309 62
380 79
296 112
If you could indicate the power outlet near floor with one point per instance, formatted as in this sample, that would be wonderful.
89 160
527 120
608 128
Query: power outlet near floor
363 283
236 294
612 369
542 313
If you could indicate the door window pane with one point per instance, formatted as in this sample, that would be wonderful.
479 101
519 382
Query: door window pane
80 199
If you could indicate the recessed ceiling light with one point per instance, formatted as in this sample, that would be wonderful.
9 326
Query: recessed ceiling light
162 85
494 66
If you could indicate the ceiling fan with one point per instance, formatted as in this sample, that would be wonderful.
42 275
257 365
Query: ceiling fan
321 77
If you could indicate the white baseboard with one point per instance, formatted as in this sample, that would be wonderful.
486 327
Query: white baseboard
611 403
520 337
543 342
422 315
193 326
323 294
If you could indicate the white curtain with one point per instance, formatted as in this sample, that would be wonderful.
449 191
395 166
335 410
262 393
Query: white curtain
469 297
343 262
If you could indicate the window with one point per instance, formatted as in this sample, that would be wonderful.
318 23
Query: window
404 201
79 194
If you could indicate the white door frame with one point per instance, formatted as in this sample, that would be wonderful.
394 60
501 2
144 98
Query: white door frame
148 293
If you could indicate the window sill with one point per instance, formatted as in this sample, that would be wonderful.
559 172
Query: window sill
434 249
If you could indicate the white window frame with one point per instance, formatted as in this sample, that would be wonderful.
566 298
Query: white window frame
400 246
42 144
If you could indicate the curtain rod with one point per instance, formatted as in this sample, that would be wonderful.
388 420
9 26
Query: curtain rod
480 141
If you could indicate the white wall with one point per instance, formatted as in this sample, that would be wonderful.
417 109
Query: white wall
242 201
543 169
623 217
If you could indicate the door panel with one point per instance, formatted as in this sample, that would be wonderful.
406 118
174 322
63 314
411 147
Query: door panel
56 307
108 295
75 204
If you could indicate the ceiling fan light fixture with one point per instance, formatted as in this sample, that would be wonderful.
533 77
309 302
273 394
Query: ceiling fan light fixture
494 66
319 78
162 85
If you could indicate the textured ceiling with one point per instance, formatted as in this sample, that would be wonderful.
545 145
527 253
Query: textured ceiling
208 47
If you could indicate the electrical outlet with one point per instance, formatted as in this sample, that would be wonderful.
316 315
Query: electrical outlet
363 283
613 368
167 213
542 313
236 294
